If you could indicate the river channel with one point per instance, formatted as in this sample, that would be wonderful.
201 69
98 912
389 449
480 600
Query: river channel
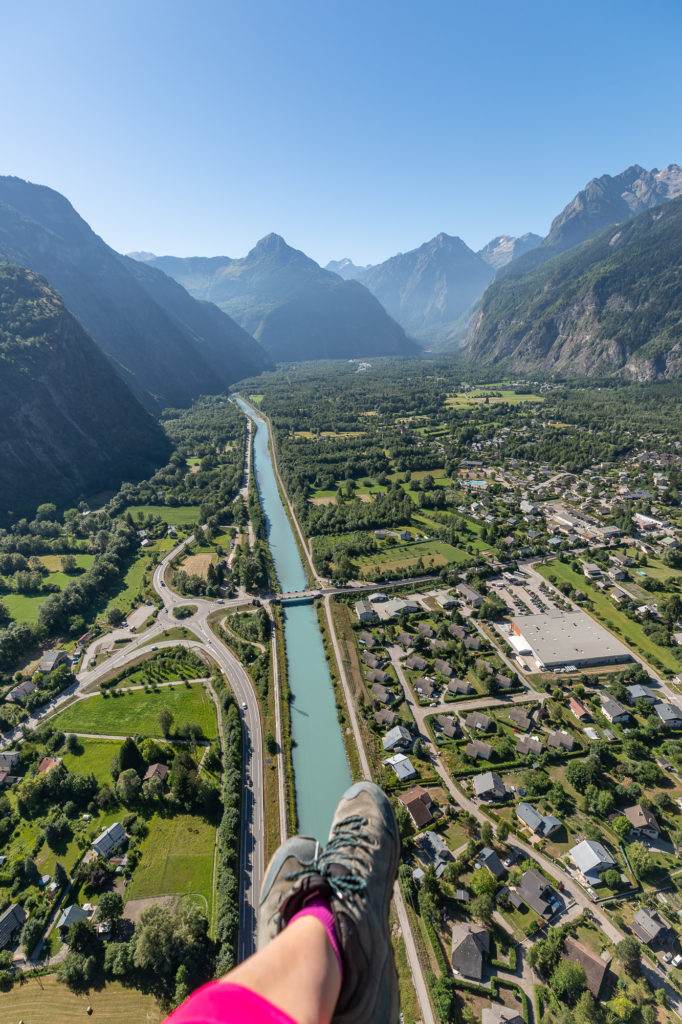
320 764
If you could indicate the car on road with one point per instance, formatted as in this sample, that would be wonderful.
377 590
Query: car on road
244 705
163 584
667 957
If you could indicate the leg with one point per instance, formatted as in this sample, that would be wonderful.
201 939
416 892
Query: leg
298 972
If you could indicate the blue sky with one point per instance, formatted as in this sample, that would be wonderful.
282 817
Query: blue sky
360 129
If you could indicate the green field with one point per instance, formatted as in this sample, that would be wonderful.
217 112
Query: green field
172 516
494 396
96 757
125 593
177 857
46 1001
433 553
138 712
610 616
24 607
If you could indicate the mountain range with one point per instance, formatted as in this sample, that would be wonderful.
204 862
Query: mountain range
294 308
168 347
611 304
69 423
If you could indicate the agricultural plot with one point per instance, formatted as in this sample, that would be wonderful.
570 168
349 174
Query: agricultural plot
134 712
46 1001
433 554
178 516
177 859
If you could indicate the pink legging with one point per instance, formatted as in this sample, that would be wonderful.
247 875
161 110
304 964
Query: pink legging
220 1002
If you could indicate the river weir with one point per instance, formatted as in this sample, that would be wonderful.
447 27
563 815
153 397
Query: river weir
320 765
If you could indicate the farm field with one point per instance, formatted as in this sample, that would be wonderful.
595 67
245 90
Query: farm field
126 590
95 756
172 516
45 1001
610 616
494 396
433 553
22 607
137 712
197 565
177 857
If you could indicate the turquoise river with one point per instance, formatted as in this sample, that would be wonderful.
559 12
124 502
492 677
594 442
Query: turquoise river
320 764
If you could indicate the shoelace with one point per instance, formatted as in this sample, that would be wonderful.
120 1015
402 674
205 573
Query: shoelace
344 849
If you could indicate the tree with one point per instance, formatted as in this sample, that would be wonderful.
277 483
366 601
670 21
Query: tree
482 882
621 826
115 617
110 907
481 907
486 833
568 980
152 789
82 937
640 858
165 721
587 1010
30 934
405 826
128 786
629 954
77 971
611 879
60 876
68 563
129 756
503 830
270 743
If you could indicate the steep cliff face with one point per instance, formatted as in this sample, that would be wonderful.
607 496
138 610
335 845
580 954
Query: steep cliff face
294 308
166 346
69 423
612 304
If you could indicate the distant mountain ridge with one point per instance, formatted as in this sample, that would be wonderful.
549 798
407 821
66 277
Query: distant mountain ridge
502 249
166 346
604 201
69 423
294 308
612 304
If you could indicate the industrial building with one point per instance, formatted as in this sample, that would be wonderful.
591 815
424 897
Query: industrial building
565 640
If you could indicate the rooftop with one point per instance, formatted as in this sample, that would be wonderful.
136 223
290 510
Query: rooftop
562 638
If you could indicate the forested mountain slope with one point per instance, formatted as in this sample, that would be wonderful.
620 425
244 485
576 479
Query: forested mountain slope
613 303
69 423
294 308
167 347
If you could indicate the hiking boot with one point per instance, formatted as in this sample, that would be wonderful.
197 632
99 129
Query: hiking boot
356 872
294 855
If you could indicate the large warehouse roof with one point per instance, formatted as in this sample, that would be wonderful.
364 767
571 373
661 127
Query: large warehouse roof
569 638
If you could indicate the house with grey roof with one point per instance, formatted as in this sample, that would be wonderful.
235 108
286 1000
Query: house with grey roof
457 631
649 927
382 694
520 719
433 850
52 659
669 714
477 720
9 759
399 738
371 660
448 725
416 663
11 921
470 949
591 859
444 667
536 891
364 611
377 675
489 786
69 916
402 766
19 694
487 858
424 686
446 600
478 748
496 1013
639 692
385 717
540 824
110 839
528 745
615 711
559 739
459 686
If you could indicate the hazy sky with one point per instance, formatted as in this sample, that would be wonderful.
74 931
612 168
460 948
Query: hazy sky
360 128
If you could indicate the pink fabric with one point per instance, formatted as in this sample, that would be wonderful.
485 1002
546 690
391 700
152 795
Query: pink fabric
221 1002
319 908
